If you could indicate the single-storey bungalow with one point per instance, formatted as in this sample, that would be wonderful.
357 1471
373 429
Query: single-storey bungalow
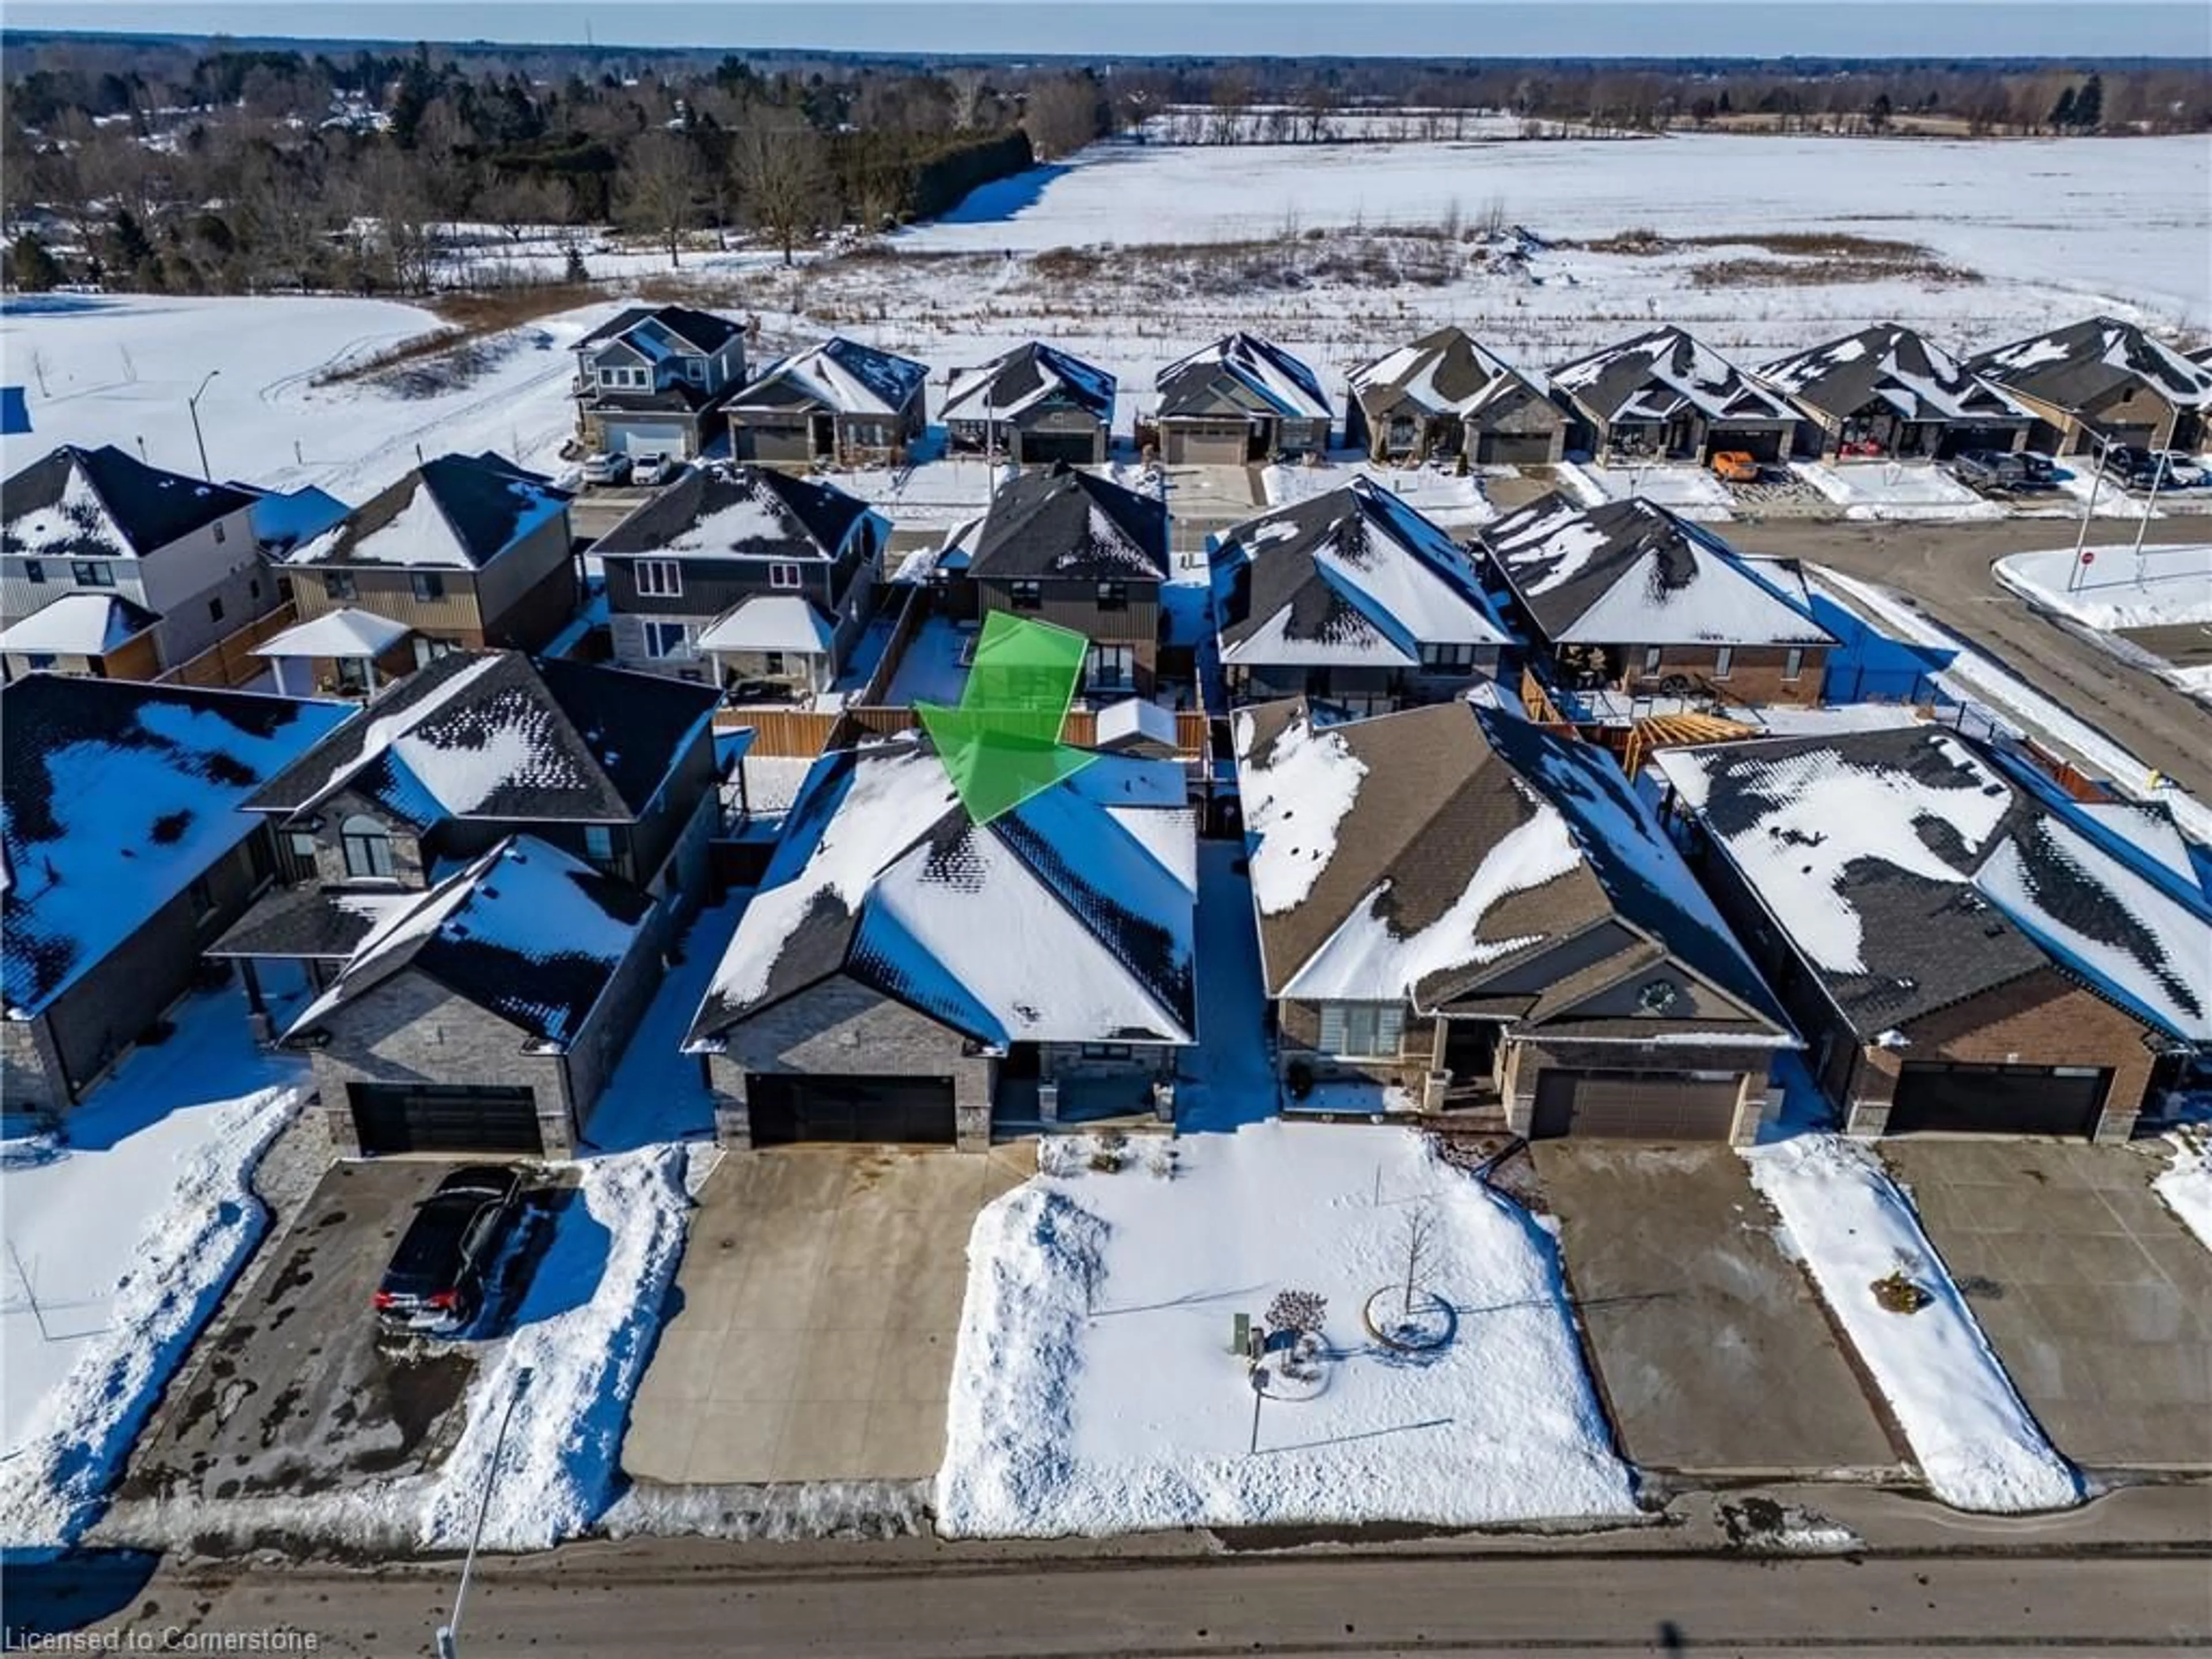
2102 380
837 402
1034 405
1239 400
1667 395
1445 394
1889 393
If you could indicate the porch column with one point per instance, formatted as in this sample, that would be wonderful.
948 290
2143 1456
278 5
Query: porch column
258 1020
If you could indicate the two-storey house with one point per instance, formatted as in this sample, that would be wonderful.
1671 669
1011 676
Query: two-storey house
653 380
743 574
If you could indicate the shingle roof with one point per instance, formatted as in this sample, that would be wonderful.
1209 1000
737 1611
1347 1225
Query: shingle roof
1910 875
2076 365
1029 374
1660 372
702 330
1632 572
323 924
1446 372
496 736
526 933
1352 576
1068 919
1893 365
748 512
83 624
76 503
1244 372
839 374
1056 521
456 512
114 796
1428 853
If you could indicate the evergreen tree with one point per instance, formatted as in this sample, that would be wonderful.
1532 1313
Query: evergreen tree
2061 113
2089 106
36 269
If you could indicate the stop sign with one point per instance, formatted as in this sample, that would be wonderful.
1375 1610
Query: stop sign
2089 555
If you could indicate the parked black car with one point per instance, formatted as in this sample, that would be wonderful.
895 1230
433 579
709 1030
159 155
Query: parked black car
2036 471
437 1279
2138 469
1989 469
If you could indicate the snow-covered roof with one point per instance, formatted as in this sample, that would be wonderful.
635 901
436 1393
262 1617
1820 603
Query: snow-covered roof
527 931
656 329
1136 723
114 796
1354 575
837 373
1073 526
1911 876
2080 364
1897 367
1661 372
717 510
496 735
282 520
1632 572
344 632
1426 854
1268 378
74 503
81 624
770 622
1068 919
455 513
1024 377
1446 372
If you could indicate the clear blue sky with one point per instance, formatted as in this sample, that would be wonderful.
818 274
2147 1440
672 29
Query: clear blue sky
1501 29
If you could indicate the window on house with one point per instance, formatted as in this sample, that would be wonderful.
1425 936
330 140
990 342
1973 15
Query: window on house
1105 1051
659 579
1652 655
368 847
40 662
215 609
92 572
772 663
1357 1030
35 570
784 575
1112 667
1447 656
1793 665
694 368
1026 596
1113 595
598 843
254 588
427 585
339 585
1723 660
302 845
667 639
219 536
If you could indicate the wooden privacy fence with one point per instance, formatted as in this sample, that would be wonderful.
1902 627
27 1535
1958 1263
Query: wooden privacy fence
805 732
230 662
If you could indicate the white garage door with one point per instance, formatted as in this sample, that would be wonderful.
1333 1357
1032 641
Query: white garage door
642 440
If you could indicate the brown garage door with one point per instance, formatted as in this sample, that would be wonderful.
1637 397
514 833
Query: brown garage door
1208 445
430 1117
1634 1106
786 1107
1513 449
1997 1100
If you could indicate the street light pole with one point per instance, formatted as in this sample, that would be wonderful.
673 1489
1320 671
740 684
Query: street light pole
449 1632
192 404
2088 506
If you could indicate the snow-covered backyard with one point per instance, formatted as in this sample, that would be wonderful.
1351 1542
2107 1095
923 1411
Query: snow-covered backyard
1857 1235
2118 587
121 1239
1094 1389
1896 490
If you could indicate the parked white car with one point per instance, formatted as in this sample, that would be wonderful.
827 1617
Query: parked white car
606 468
651 470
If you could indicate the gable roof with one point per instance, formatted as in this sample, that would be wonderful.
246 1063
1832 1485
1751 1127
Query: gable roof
1060 522
1241 371
836 374
1068 919
1661 372
1031 373
114 796
80 624
493 735
2080 364
1354 575
1446 372
1896 366
1631 571
526 933
658 327
283 519
1911 876
738 512
454 512
74 503
1422 853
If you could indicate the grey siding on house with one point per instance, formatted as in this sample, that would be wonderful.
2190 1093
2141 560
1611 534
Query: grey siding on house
505 586
1075 605
711 587
840 1028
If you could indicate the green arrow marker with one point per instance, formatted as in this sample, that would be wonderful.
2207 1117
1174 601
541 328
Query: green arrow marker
1001 746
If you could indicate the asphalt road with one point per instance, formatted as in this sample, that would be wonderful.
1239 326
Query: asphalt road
1946 567
678 1600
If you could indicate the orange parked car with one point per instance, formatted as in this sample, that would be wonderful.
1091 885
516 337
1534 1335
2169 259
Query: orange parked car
1736 466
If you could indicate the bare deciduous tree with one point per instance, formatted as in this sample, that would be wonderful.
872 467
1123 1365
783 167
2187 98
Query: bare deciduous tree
1061 115
1418 1236
659 178
782 176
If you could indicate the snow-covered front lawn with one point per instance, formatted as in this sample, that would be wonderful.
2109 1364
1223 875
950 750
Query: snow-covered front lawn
1845 1219
1896 490
1095 1392
2120 587
2187 1183
1692 491
127 1229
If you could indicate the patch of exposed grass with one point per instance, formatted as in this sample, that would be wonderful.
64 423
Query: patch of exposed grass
1818 273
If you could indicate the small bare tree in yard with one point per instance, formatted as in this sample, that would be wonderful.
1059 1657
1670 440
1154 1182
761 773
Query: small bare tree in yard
659 178
782 176
1418 1240
1304 1311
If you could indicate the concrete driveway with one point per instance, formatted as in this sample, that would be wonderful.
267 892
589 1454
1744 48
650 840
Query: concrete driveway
1712 1351
2097 1300
815 1316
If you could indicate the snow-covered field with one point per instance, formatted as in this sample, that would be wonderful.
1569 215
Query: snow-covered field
1095 1391
1843 1217
128 1232
2120 588
1896 490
